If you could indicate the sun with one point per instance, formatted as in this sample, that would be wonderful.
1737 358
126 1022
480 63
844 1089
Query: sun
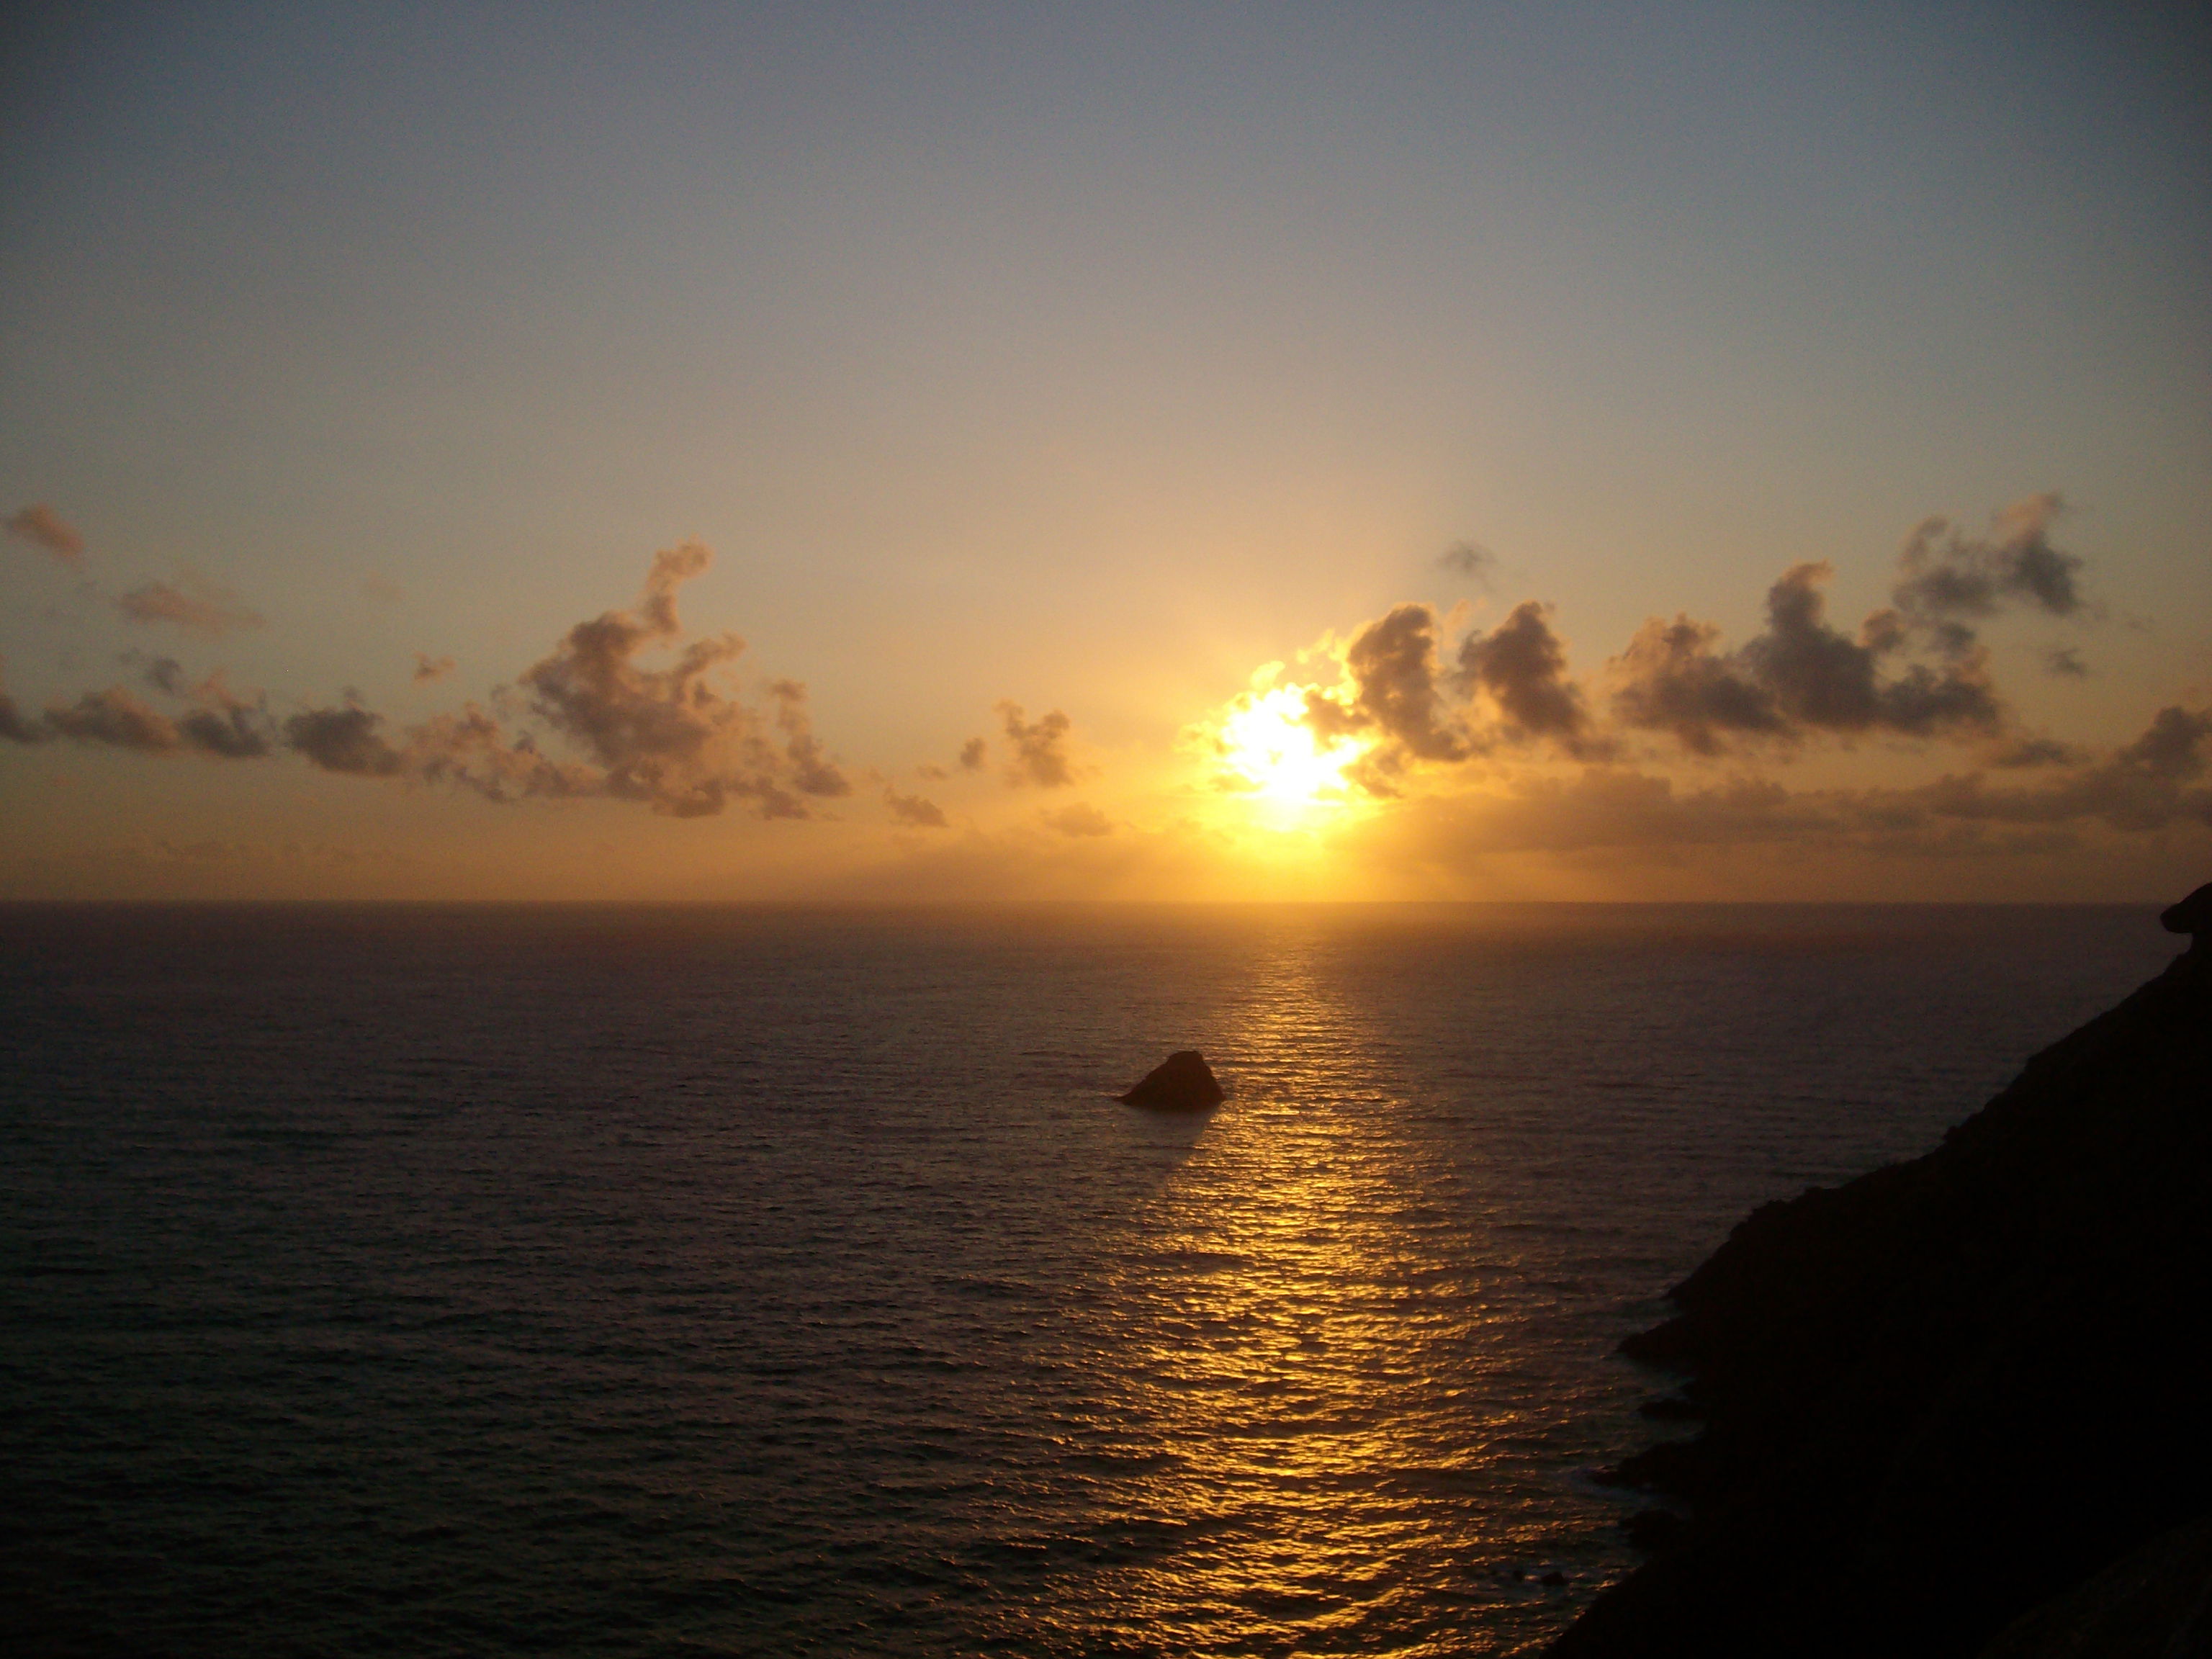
1265 748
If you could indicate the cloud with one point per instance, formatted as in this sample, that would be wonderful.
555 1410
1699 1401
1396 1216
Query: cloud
1798 677
1826 681
208 608
1039 749
344 740
2065 661
1469 559
811 769
2019 752
916 810
669 737
42 527
1522 666
471 749
666 736
1604 807
1672 678
1080 819
116 718
974 753
1395 693
235 731
1944 575
12 725
2150 784
1391 692
222 726
429 670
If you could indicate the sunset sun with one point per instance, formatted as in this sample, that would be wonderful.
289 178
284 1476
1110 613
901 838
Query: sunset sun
1267 750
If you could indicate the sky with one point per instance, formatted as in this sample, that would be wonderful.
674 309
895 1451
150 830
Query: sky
964 452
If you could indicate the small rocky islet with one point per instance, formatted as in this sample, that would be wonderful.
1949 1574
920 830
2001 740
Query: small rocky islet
1957 1406
1183 1082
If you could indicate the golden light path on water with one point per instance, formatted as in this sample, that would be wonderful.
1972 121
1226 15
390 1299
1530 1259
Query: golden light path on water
1306 1328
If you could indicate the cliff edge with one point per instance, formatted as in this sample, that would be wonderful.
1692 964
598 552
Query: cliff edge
1948 1393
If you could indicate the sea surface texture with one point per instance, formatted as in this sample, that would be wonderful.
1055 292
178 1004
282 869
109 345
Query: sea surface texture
662 1281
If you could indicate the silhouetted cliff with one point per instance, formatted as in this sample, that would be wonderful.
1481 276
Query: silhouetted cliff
1946 1393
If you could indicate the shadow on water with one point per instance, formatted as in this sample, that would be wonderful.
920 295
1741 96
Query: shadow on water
1157 1142
1165 1127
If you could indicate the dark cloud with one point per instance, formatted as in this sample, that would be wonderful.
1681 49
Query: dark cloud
1522 666
42 527
117 719
1602 808
1081 818
164 674
347 740
916 810
1827 681
1943 575
810 769
2173 747
1039 748
1672 678
974 753
1469 559
14 725
208 608
1799 677
222 726
471 750
429 670
2018 753
1395 693
2065 661
2154 782
237 732
2149 784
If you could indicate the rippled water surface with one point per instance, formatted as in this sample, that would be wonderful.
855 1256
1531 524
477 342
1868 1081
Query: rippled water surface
690 1281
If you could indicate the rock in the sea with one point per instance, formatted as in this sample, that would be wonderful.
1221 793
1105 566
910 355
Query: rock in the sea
1181 1082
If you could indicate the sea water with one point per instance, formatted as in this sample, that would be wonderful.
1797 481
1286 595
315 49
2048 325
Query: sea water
639 1281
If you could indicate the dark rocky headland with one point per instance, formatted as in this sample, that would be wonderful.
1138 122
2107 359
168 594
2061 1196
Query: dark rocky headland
1961 1404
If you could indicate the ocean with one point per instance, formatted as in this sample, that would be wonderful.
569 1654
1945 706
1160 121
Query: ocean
691 1280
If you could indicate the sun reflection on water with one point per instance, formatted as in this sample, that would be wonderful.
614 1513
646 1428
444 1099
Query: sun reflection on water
1295 1316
